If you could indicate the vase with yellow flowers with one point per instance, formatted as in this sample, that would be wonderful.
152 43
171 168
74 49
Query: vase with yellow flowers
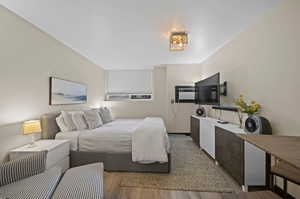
243 107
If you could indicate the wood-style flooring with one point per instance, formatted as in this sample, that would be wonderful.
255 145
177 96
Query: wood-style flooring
112 190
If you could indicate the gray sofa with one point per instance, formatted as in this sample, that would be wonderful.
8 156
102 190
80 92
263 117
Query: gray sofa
27 178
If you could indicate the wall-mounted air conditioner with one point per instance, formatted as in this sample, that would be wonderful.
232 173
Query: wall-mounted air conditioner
133 97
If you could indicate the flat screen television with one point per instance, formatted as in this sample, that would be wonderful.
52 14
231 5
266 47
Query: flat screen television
208 91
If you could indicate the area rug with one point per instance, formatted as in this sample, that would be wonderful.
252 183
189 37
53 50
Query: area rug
192 170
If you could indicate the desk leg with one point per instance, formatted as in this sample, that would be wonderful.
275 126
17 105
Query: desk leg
268 172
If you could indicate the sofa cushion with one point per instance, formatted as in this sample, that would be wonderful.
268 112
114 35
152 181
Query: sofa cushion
81 182
40 186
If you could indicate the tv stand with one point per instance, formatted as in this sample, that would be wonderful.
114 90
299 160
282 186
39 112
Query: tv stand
243 161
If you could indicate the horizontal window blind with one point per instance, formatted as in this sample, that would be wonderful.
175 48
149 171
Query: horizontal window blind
129 81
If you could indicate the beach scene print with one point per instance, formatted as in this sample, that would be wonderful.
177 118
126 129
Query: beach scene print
67 92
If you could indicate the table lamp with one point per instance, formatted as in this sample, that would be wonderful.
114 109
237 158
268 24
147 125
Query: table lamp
31 127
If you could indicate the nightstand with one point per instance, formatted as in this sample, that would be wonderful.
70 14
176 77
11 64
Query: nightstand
58 152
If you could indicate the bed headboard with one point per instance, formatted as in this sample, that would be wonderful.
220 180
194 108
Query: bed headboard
49 126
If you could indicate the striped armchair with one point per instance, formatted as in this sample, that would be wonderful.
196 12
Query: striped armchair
27 178
25 167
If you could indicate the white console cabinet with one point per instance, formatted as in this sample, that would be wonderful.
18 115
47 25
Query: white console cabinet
207 135
243 161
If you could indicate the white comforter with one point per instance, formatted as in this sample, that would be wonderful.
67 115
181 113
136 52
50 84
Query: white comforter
113 137
150 142
118 137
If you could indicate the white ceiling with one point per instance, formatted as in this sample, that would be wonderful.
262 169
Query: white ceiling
118 34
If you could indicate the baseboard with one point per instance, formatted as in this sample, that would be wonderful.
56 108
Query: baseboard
280 192
181 133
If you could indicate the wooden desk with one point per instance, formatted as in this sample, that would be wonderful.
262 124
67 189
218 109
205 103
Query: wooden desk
285 148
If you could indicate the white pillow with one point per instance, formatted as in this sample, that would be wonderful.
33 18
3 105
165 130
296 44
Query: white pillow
108 114
105 115
93 119
79 120
61 124
68 120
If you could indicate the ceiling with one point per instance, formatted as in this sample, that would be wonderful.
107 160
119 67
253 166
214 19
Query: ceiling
118 34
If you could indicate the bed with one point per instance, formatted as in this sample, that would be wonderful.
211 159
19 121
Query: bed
111 144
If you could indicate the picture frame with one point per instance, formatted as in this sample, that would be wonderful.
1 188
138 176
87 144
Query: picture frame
66 92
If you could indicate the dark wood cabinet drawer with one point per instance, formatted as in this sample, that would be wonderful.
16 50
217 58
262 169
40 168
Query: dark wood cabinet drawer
230 154
195 126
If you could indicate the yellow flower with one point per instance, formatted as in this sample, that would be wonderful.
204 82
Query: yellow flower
241 95
253 102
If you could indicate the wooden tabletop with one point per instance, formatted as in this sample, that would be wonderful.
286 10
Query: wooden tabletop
286 148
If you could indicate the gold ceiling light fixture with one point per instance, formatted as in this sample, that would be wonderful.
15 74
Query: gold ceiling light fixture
178 41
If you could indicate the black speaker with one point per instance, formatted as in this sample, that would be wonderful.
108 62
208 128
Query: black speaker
201 112
258 125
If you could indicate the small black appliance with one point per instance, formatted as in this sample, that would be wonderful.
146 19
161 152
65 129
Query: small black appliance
258 125
201 112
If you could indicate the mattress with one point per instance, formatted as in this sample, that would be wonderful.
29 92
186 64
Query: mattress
113 137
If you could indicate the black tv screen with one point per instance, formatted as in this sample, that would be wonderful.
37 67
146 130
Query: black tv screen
208 91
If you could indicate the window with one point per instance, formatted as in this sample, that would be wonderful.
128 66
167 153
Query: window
128 84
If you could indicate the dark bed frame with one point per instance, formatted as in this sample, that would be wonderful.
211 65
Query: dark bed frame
117 162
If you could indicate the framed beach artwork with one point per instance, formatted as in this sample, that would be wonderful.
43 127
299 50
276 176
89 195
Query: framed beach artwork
63 92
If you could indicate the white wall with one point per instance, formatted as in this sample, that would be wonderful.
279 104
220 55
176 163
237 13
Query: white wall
263 64
28 58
